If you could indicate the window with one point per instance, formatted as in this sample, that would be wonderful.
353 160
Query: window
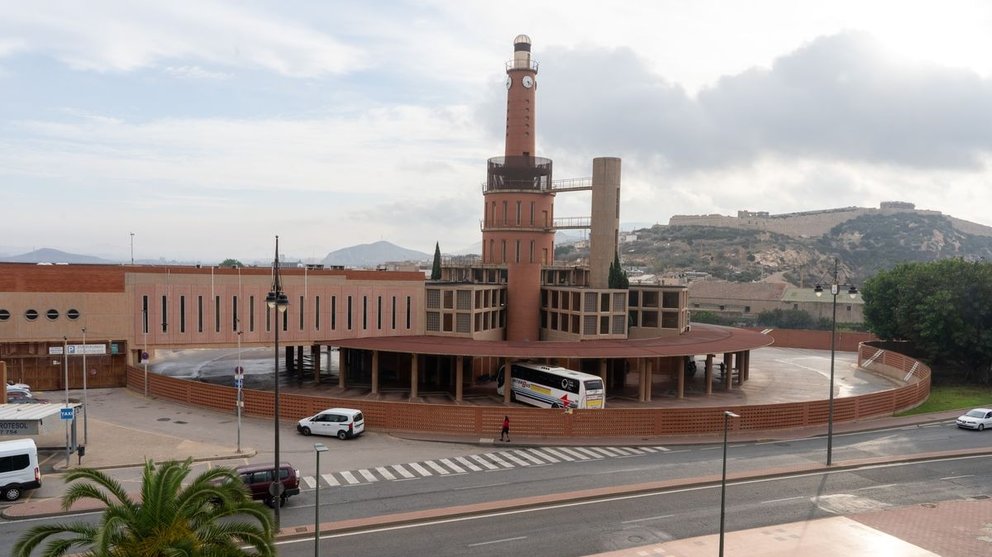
394 312
349 313
378 317
506 216
5 315
365 312
316 314
532 213
334 312
251 313
144 314
518 213
518 252
165 314
182 314
53 314
408 312
301 313
235 323
217 314
72 314
199 314
14 463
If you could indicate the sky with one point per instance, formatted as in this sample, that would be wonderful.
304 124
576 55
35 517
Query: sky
206 128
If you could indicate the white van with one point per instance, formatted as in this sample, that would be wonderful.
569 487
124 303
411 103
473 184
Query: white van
18 468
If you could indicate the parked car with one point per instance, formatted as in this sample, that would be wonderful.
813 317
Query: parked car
18 395
258 479
19 469
344 423
979 418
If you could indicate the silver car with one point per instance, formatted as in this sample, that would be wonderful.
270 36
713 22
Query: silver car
979 418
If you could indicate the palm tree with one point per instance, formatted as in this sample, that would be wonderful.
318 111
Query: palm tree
169 519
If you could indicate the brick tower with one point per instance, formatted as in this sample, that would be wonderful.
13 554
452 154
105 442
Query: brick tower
519 202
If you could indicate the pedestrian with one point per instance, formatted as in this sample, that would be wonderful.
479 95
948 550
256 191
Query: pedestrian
505 432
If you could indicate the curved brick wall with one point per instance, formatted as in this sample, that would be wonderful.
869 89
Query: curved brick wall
608 422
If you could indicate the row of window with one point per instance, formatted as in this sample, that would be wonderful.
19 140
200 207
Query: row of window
51 315
235 316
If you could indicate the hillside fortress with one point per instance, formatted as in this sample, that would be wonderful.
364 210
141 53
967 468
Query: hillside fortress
811 224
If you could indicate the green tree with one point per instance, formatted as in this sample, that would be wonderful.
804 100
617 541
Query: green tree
436 268
211 516
231 263
617 277
944 308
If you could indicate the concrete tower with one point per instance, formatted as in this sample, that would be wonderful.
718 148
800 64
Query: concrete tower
519 203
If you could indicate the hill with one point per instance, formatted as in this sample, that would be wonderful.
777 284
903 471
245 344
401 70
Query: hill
864 245
370 255
48 255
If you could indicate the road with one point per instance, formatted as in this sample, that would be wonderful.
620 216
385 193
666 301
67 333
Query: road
527 471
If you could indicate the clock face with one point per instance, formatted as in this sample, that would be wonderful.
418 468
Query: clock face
508 82
527 81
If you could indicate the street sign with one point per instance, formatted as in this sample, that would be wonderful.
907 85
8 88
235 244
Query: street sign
66 413
239 382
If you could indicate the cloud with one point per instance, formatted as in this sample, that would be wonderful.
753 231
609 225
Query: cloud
121 36
838 98
194 72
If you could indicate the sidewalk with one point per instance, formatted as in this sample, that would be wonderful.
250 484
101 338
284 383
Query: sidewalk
948 529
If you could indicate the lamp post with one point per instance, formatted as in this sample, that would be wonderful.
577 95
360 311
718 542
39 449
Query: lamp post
85 427
317 449
277 300
132 248
723 482
65 367
144 351
834 290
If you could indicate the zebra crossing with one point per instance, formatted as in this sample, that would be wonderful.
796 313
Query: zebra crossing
485 462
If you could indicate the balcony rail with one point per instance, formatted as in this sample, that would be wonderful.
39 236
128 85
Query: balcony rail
572 184
512 65
566 223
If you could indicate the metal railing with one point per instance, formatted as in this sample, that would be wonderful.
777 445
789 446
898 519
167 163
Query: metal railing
572 184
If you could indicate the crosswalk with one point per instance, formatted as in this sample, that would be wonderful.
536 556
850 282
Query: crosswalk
485 462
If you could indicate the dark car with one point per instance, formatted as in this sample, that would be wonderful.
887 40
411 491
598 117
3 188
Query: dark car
258 479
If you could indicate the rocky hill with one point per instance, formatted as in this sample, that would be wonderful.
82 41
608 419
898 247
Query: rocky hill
864 245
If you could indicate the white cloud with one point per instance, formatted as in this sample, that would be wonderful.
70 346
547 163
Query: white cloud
194 72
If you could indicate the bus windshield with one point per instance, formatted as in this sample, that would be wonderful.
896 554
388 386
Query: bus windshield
594 385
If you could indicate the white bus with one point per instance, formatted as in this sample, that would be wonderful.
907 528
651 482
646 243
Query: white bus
553 387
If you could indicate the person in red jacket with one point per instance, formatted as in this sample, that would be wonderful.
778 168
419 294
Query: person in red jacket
505 432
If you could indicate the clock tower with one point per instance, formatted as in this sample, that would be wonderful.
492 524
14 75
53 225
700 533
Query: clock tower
517 230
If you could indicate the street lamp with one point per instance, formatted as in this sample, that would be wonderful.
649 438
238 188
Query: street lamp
852 291
85 427
723 483
132 248
317 448
277 300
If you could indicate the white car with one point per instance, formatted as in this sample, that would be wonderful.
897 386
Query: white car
344 423
979 418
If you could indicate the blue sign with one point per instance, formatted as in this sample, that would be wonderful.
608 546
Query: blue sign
66 413
239 383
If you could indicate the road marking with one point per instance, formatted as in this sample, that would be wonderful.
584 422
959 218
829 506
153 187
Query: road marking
495 458
402 471
606 451
330 479
437 467
531 457
447 462
468 464
310 481
648 518
588 452
560 454
419 469
958 477
576 454
883 486
543 455
504 540
509 456
484 462
385 473
780 500
368 475
348 477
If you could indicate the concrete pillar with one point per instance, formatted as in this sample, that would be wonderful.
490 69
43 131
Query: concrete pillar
709 374
605 219
414 377
602 370
728 370
642 377
746 367
342 367
459 377
507 381
375 372
299 360
649 381
290 355
315 356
